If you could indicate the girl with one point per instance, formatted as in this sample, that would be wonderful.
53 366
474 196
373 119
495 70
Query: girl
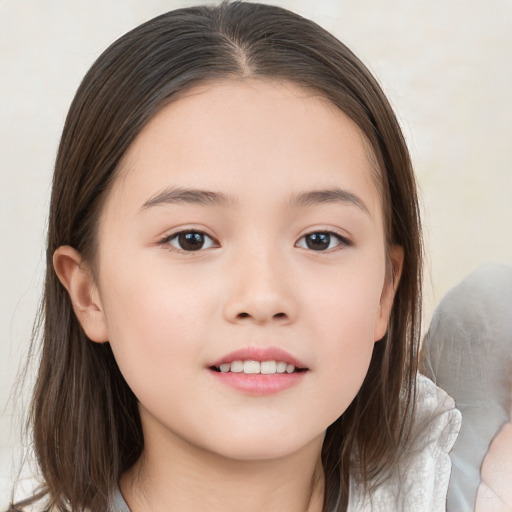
232 299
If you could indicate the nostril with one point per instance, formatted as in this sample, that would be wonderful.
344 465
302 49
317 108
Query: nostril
280 315
243 315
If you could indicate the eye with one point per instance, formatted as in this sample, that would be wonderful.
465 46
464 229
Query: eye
321 241
189 241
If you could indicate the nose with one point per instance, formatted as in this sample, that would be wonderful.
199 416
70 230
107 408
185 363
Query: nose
260 292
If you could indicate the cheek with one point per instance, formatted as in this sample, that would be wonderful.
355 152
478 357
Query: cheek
346 361
154 325
343 315
347 305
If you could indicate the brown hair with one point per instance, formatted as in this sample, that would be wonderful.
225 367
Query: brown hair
85 418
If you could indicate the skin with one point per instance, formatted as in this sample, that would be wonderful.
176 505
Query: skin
169 313
495 492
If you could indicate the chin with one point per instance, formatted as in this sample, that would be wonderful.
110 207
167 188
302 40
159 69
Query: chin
265 447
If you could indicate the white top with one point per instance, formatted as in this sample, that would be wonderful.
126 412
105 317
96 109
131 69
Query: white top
420 483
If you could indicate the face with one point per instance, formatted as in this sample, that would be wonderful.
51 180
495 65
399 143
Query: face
244 233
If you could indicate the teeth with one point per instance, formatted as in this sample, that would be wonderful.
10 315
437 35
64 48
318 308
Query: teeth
268 367
252 367
237 366
281 367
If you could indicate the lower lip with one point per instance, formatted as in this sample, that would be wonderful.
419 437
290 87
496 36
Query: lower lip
257 383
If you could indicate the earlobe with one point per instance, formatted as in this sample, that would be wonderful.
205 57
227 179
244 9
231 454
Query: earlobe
77 278
393 274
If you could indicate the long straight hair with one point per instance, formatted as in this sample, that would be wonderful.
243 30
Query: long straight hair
84 417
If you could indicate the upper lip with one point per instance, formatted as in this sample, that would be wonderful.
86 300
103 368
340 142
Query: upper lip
259 354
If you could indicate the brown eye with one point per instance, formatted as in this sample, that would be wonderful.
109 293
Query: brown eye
318 241
321 241
190 241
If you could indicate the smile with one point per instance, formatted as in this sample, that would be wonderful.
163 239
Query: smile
259 371
255 367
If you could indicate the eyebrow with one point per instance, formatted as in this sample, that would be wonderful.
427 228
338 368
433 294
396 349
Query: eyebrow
331 195
180 195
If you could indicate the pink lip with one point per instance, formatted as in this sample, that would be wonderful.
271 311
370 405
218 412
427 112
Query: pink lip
259 354
259 384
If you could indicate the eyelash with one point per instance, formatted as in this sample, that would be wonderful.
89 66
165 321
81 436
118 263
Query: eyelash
167 241
341 240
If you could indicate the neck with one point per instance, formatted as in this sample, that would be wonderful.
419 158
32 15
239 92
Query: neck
183 478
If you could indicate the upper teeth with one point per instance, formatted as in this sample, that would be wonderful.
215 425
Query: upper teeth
265 367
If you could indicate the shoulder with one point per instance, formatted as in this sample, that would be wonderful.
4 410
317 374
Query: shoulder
420 481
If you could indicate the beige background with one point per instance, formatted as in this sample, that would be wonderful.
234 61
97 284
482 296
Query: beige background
446 66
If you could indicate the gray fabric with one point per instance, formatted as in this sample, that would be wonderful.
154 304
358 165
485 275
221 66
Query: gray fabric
118 503
468 352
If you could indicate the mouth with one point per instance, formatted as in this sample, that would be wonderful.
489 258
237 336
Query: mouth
259 370
252 367
258 377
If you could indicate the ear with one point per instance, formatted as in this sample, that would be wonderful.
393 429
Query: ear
77 278
393 273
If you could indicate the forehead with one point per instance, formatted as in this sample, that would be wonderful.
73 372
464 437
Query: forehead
247 133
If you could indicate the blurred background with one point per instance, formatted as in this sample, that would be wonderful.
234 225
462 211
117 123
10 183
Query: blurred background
445 65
